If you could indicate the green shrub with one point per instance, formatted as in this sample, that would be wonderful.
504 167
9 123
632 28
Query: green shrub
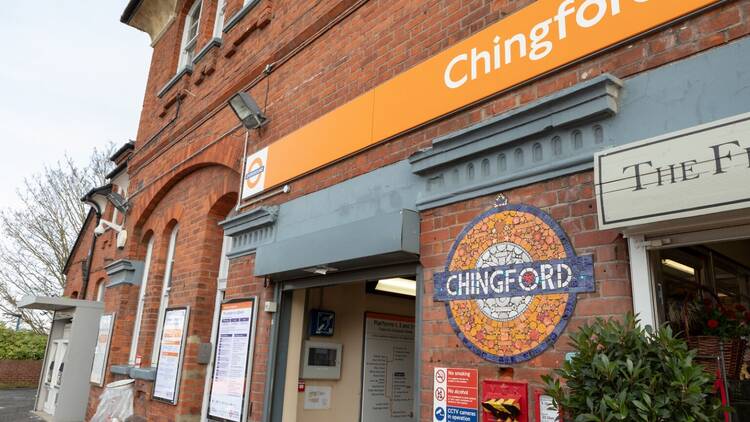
626 373
21 345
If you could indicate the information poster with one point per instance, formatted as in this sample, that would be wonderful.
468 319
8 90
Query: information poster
101 351
388 379
546 411
233 343
317 398
166 385
455 395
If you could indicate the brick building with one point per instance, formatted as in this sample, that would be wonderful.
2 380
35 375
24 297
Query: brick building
370 197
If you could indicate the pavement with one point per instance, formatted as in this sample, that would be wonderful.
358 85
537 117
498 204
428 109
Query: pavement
16 405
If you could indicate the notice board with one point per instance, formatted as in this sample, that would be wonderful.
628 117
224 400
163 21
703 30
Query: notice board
101 352
171 354
388 369
232 358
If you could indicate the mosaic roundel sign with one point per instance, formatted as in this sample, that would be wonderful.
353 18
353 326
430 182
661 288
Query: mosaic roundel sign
510 283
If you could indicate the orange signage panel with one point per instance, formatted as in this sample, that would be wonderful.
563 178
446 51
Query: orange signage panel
542 37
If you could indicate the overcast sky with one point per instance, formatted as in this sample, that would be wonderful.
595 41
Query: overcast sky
72 77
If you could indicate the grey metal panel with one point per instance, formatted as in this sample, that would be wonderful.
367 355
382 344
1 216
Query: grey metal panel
514 150
396 232
397 270
125 271
120 369
385 190
74 389
250 229
594 99
147 374
47 303
273 400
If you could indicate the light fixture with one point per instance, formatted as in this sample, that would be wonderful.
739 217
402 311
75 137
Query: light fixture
320 270
678 266
401 286
98 199
247 110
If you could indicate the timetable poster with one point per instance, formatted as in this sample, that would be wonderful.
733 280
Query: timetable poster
233 343
170 355
388 384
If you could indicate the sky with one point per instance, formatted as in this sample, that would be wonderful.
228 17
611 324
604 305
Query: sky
72 77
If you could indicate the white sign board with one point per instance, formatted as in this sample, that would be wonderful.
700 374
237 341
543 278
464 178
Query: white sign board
697 171
317 398
388 385
231 360
101 351
171 351
254 178
547 410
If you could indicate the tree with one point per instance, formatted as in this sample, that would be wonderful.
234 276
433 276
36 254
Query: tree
40 233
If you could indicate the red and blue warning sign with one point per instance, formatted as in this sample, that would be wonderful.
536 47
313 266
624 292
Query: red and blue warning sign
455 395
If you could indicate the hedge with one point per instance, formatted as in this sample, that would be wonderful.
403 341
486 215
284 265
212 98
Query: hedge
21 345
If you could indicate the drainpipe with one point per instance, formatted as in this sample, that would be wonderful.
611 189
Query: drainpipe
89 259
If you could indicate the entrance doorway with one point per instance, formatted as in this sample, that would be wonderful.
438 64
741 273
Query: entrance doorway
703 289
351 352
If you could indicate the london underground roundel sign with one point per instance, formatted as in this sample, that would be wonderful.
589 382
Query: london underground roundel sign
510 283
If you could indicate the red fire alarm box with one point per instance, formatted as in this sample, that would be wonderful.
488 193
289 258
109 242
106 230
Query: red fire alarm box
505 399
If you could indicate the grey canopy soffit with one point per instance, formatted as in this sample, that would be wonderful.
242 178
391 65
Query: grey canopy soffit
390 238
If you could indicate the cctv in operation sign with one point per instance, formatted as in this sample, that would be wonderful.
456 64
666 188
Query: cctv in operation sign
455 395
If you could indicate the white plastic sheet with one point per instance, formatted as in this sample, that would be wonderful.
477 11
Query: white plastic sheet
115 403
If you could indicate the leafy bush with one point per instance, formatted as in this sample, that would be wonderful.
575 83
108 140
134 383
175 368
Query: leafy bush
626 373
21 345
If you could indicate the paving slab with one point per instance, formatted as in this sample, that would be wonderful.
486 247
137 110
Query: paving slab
16 405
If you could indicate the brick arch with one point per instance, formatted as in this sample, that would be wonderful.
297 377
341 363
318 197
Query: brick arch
196 198
149 199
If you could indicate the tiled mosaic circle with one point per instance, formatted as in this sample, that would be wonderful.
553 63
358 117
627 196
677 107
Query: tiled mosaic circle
510 330
503 308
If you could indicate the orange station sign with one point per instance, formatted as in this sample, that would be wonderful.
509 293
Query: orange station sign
536 40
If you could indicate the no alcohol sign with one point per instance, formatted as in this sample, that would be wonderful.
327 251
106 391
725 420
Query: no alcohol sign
455 395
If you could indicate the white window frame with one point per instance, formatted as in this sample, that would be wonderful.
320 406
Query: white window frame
188 46
141 303
221 10
100 291
641 274
166 286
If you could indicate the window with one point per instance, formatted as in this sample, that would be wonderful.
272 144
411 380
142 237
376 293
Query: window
100 292
141 300
190 35
221 9
166 286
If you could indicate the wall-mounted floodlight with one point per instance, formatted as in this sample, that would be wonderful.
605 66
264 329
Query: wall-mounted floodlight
99 197
247 110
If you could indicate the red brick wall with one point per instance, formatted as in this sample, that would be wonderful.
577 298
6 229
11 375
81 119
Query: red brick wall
189 173
382 39
20 373
570 201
